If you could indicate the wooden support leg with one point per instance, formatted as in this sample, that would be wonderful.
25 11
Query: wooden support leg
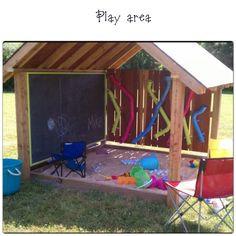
176 133
20 81
216 114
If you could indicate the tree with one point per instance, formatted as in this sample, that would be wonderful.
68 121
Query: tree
223 51
8 50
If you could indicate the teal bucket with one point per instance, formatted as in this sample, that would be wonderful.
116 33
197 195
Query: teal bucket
11 175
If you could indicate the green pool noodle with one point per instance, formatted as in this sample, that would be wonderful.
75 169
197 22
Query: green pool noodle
151 92
186 132
117 109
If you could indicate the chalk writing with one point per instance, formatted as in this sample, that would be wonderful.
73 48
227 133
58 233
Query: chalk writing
94 122
60 125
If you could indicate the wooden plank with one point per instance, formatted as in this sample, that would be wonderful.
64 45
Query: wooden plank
184 153
203 121
103 61
174 68
58 70
187 117
22 53
33 52
110 112
216 114
76 55
147 139
22 123
131 86
177 107
42 55
118 97
93 57
67 55
154 76
60 52
140 110
163 140
124 57
88 55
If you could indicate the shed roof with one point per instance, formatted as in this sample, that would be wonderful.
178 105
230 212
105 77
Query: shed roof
193 65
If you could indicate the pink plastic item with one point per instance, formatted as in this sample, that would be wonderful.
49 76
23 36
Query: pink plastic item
154 181
161 184
131 100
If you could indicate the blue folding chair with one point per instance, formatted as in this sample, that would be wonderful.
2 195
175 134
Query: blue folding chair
73 156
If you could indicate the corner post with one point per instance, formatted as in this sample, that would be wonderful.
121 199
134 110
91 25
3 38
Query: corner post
176 133
216 113
20 82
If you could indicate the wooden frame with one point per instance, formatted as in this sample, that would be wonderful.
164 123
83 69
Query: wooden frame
20 80
176 133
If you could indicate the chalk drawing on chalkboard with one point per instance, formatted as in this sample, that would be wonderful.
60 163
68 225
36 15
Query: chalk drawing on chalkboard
94 122
60 125
51 124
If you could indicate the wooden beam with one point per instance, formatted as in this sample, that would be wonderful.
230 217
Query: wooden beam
33 52
176 132
216 114
59 53
35 70
173 67
102 62
22 122
125 57
22 53
92 58
77 55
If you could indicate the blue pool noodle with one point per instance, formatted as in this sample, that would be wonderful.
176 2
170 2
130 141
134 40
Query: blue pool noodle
198 112
156 111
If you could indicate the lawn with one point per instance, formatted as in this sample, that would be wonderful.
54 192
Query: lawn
42 208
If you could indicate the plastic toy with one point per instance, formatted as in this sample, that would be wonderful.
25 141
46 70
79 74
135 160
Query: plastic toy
156 111
142 178
198 112
126 180
130 162
150 162
151 92
194 163
117 109
154 181
161 184
131 100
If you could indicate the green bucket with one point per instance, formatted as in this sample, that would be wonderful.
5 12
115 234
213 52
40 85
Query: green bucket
142 178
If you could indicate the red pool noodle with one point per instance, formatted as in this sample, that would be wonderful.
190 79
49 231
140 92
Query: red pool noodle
131 100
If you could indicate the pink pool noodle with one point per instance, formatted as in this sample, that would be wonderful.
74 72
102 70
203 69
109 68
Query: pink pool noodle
131 100
190 97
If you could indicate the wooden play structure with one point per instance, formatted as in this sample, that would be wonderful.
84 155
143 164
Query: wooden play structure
62 89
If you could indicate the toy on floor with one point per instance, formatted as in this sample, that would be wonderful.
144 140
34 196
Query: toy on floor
158 183
126 180
129 162
194 163
150 162
142 178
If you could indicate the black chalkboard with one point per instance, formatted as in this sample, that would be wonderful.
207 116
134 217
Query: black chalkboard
64 108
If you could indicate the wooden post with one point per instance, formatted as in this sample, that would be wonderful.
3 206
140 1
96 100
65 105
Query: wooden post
216 113
20 81
176 133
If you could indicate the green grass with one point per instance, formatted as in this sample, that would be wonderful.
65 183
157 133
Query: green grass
40 208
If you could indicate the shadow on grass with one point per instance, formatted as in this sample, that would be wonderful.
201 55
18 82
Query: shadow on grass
40 208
